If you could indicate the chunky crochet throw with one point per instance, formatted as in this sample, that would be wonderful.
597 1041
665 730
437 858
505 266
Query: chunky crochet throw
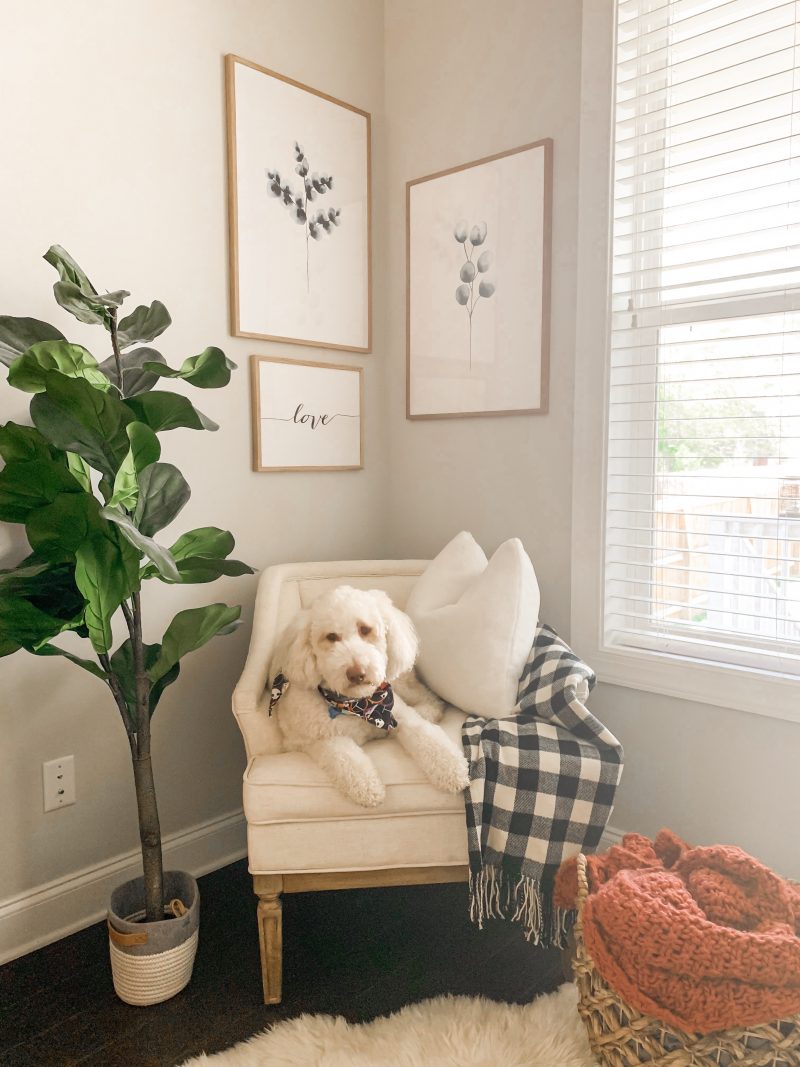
704 938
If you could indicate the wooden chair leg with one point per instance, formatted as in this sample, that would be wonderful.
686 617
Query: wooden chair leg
268 888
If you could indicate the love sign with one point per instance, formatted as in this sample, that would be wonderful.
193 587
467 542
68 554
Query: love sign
306 416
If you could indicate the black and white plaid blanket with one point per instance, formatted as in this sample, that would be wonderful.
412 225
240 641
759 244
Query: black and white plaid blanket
542 786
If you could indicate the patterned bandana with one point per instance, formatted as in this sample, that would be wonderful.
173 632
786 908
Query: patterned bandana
376 710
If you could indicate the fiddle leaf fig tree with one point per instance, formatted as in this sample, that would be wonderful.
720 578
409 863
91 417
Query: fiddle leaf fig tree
87 482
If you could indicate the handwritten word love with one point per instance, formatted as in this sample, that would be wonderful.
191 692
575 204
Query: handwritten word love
307 419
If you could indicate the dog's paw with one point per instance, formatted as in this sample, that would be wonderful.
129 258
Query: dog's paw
370 794
450 774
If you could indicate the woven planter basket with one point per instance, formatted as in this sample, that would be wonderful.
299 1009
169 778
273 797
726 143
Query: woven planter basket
621 1036
151 962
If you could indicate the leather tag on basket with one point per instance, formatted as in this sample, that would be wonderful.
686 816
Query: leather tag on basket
126 940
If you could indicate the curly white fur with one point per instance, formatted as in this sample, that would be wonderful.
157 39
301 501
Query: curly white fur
350 640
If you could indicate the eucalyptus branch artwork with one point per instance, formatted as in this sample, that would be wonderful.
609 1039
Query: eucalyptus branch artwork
315 223
279 205
502 202
470 239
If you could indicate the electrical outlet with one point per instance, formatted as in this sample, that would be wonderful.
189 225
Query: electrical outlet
58 781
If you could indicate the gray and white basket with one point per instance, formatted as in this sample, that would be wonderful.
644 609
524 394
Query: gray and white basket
151 962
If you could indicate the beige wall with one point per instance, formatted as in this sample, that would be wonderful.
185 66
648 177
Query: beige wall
113 126
465 79
712 774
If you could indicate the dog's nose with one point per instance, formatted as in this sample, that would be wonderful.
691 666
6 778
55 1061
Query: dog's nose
355 675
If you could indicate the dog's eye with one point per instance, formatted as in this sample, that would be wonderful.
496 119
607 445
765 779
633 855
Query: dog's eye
331 637
364 630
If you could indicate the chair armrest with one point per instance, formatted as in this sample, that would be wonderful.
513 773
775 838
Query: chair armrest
260 732
251 695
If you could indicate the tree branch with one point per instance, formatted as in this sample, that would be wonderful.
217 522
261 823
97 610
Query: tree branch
115 347
126 611
113 684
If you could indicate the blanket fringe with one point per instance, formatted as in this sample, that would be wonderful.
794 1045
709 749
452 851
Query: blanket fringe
495 894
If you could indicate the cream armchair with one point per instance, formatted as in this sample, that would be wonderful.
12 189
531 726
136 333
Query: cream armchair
302 834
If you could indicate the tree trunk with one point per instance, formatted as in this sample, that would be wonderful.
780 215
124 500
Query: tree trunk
149 828
150 835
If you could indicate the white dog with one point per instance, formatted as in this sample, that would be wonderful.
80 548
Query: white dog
344 649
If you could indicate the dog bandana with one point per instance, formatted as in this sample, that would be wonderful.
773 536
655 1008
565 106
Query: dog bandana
376 710
279 687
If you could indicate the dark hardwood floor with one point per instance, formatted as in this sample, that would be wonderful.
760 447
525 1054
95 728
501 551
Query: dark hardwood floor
357 953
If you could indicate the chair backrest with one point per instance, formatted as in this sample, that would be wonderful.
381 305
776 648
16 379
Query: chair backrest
282 592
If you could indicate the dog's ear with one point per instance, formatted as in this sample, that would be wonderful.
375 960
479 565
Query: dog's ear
401 637
294 653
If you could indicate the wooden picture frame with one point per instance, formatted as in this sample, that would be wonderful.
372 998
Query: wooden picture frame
316 291
504 368
293 396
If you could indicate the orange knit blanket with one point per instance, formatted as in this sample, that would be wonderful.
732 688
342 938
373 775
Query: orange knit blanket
704 938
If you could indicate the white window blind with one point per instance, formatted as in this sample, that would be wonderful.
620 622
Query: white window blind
702 550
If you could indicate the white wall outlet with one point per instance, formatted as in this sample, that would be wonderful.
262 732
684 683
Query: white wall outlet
58 781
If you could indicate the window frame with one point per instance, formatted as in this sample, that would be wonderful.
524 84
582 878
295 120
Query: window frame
727 685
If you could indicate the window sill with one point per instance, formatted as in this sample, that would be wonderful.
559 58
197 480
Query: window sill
726 686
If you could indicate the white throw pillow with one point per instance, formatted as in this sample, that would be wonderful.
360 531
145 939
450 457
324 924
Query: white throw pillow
476 622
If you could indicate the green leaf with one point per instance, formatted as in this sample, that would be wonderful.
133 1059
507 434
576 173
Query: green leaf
79 470
68 269
57 531
143 324
37 601
26 485
106 572
207 541
160 556
122 665
144 450
134 379
210 370
29 371
49 588
76 294
16 335
168 411
87 664
163 491
8 646
25 442
92 309
198 570
200 556
78 418
190 630
72 299
24 624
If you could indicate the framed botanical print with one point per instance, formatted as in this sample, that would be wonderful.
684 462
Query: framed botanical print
478 286
306 416
299 212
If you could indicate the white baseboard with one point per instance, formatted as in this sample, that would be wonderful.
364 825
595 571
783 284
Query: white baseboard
51 911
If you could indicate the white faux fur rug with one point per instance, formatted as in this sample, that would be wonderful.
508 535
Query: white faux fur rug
445 1032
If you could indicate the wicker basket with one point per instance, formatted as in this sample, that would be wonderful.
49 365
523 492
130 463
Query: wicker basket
621 1036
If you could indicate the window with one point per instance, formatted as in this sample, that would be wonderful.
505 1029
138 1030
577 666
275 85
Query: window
702 530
